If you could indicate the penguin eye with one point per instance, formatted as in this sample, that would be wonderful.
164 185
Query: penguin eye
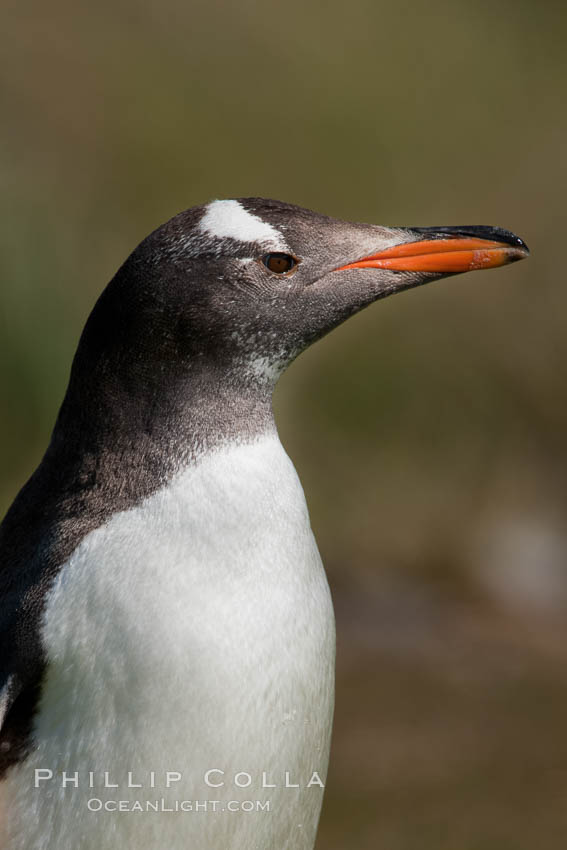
279 263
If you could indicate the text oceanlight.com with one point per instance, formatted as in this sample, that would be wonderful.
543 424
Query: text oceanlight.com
95 804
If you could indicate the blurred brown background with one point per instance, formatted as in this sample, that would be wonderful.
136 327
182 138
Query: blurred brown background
430 431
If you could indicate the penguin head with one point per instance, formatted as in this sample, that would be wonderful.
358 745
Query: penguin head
243 286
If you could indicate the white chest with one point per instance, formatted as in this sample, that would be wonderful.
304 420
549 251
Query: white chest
193 633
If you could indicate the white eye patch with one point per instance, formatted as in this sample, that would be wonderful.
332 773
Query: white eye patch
229 220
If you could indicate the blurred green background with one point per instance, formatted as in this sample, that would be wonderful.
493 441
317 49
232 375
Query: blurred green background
429 431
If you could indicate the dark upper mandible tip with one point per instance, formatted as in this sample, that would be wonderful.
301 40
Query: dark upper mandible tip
477 231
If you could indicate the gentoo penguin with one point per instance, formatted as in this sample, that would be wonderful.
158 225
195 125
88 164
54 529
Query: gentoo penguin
167 630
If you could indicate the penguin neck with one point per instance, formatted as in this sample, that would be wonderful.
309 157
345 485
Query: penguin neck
134 435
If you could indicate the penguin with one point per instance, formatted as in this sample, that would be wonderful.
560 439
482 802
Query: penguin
167 631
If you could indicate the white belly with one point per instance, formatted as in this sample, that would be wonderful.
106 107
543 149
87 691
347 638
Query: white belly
193 633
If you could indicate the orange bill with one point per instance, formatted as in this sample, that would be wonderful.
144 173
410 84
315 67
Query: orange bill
438 255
